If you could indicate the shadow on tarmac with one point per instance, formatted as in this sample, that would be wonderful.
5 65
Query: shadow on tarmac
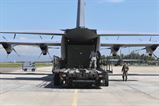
24 73
135 75
51 86
120 80
48 78
45 78
32 73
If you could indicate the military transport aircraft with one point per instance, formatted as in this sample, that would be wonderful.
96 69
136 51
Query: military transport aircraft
76 46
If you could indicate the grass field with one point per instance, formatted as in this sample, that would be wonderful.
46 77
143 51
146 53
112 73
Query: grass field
18 65
42 65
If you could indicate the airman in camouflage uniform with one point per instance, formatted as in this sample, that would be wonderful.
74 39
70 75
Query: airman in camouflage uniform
125 70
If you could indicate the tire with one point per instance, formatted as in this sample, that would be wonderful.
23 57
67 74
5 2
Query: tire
106 79
56 79
25 69
33 70
98 83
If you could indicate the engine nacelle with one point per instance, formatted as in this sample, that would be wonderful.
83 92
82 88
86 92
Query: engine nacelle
44 49
114 50
151 49
8 47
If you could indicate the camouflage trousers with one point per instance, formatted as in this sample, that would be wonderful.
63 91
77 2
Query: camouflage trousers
125 75
93 63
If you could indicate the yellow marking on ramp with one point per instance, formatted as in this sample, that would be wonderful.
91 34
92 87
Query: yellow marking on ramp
75 98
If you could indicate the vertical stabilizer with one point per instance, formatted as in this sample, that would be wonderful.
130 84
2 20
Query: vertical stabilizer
81 14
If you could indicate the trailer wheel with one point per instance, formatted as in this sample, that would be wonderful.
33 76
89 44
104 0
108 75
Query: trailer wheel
97 83
33 70
107 79
56 79
25 69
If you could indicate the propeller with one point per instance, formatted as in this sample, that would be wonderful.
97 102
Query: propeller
118 37
52 37
155 56
4 38
144 49
7 56
50 55
150 39
16 52
14 36
121 56
111 53
45 50
47 53
40 55
41 37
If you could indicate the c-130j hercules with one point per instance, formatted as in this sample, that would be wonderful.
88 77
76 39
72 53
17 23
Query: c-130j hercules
76 47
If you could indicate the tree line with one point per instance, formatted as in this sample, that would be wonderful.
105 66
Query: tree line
133 55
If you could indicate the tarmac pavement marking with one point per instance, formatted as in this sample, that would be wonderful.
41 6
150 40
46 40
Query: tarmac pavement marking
75 98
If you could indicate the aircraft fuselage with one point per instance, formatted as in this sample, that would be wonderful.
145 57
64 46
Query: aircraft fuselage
77 45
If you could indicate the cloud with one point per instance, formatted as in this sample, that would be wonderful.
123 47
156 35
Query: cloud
112 1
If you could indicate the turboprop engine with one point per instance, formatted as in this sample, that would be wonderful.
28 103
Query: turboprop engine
151 49
114 50
44 49
8 47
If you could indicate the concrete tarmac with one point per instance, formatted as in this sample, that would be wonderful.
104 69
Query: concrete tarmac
18 88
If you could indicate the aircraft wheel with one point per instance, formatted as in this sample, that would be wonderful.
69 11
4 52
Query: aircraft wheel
25 69
97 83
56 79
33 70
107 79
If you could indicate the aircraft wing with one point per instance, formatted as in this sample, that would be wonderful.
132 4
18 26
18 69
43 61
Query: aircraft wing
44 46
130 44
30 43
149 47
129 34
34 33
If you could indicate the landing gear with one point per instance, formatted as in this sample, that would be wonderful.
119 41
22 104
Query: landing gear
33 70
80 77
56 79
25 70
106 80
98 83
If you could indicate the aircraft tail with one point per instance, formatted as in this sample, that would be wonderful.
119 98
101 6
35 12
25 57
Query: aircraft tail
81 14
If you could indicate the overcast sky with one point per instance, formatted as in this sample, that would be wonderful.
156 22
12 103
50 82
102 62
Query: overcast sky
107 16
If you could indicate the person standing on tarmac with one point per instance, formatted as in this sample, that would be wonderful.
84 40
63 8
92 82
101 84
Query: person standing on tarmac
125 70
93 59
98 59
